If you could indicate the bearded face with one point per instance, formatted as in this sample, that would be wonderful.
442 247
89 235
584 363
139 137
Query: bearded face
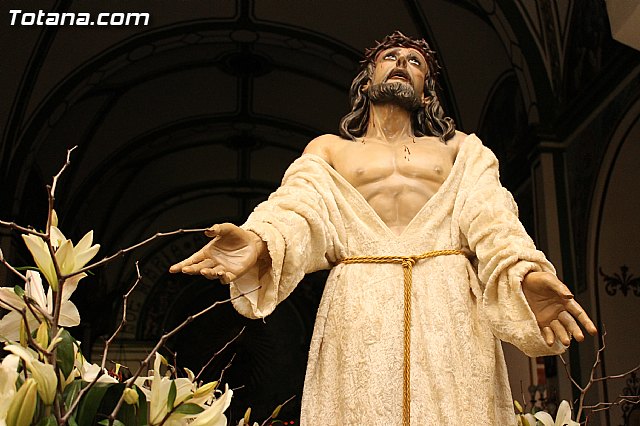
396 92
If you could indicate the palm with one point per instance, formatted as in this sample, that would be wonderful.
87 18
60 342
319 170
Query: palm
555 308
231 253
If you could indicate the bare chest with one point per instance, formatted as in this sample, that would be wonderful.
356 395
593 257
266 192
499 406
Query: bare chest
408 166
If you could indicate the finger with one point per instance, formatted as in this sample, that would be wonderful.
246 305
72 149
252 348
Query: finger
561 333
195 268
579 313
213 273
227 278
220 229
213 231
549 336
571 325
194 258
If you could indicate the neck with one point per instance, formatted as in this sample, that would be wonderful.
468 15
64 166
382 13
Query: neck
389 123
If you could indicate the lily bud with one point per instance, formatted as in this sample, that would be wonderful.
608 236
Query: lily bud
23 406
247 415
131 396
44 374
54 218
24 337
42 336
205 389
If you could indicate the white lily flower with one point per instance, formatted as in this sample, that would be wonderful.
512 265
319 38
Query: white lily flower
213 415
10 323
70 258
44 374
187 392
160 387
563 416
8 377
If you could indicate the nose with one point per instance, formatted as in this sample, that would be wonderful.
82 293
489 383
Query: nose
401 61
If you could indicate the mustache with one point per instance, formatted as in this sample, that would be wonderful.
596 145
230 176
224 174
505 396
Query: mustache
399 93
399 72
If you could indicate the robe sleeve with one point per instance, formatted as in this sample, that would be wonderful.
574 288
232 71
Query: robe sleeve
298 224
505 252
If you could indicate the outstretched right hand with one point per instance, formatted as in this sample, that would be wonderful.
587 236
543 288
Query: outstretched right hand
232 253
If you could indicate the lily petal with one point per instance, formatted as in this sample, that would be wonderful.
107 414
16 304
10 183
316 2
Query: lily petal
10 300
545 418
212 416
64 256
85 243
69 315
82 257
41 255
57 237
34 288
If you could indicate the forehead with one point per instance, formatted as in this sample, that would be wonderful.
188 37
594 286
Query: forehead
400 49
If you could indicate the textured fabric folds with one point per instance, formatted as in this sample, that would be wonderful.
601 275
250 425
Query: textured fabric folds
461 308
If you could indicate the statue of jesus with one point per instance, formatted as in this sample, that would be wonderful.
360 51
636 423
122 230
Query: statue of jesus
430 266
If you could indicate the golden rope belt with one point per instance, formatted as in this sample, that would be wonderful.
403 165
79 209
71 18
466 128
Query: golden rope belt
407 263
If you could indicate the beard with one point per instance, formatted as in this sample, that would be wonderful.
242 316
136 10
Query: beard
401 94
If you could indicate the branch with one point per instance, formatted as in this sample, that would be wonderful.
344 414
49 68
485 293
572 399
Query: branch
124 251
52 188
107 344
219 352
163 339
622 399
11 268
278 410
618 376
22 229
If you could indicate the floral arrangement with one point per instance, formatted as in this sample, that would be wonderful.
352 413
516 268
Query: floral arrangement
44 378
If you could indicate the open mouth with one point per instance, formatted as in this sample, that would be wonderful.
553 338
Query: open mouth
399 74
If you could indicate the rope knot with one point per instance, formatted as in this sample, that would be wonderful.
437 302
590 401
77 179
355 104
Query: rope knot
408 262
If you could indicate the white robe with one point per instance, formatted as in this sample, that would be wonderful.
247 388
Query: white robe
354 372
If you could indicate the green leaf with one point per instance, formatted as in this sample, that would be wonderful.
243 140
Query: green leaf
19 291
90 403
48 421
116 422
64 353
71 392
189 409
172 395
72 421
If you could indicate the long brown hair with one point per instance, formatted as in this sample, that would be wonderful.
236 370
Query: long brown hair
428 120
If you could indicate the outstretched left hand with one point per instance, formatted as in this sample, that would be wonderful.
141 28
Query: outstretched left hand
555 308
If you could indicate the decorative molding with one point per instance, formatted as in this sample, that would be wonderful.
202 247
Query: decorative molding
623 282
632 389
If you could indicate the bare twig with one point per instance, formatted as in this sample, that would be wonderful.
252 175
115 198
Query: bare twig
226 367
23 314
218 353
163 339
622 399
107 345
124 251
56 177
12 269
24 230
272 414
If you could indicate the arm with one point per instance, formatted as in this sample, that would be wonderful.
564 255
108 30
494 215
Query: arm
522 299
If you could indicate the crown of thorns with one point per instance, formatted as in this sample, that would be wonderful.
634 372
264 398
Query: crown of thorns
397 39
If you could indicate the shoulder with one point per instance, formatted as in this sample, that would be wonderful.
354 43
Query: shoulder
457 141
323 146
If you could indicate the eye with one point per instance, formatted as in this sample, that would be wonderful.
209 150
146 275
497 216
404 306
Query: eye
390 57
414 61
